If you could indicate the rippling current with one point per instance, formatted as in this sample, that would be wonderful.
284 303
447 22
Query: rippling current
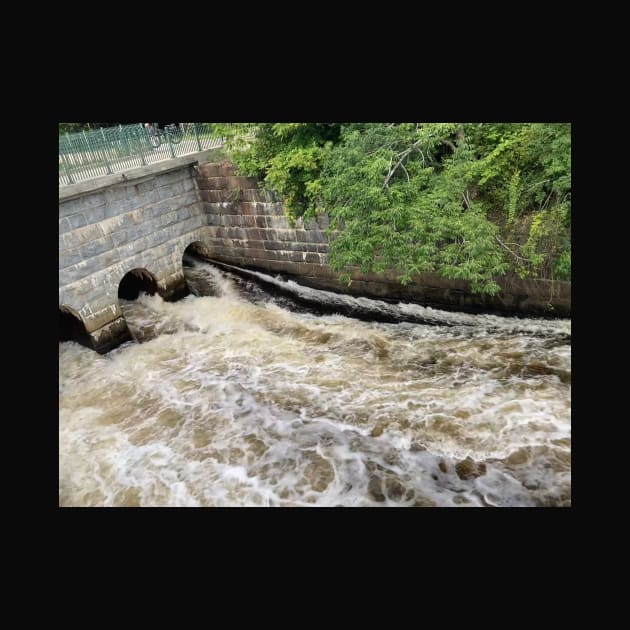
237 396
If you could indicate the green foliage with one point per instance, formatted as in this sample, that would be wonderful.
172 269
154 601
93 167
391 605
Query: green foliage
514 192
71 127
563 264
76 127
470 201
288 156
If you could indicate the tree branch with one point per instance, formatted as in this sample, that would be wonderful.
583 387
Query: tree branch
406 173
511 252
402 155
536 184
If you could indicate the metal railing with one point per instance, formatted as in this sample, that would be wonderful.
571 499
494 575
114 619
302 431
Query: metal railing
109 150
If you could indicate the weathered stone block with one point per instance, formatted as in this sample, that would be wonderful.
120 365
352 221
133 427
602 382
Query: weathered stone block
214 207
279 222
229 220
96 247
153 196
94 215
68 257
189 200
176 189
273 245
93 200
70 207
313 258
248 221
308 269
297 247
247 207
143 188
226 169
64 226
253 243
214 183
287 235
120 238
164 192
323 221
156 209
73 273
214 196
83 235
183 213
253 195
189 225
114 208
236 233
318 237
209 170
110 336
282 266
242 183
189 185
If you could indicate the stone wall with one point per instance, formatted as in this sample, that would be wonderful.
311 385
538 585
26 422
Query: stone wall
146 218
247 228
145 223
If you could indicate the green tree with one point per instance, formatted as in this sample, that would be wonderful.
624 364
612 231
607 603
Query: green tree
466 200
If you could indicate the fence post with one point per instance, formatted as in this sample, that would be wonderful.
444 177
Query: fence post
196 135
167 133
65 165
69 146
87 145
139 138
109 170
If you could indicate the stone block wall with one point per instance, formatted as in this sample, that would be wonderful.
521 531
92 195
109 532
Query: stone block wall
148 218
142 223
247 228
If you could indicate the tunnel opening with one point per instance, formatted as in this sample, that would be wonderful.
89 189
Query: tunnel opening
71 327
196 284
196 250
135 282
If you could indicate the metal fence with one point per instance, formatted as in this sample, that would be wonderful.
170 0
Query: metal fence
114 149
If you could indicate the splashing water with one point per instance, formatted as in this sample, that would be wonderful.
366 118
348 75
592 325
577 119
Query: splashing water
238 397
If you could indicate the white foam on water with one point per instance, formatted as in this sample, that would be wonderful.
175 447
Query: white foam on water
232 399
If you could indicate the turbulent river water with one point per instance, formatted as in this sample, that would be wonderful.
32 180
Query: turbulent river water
237 396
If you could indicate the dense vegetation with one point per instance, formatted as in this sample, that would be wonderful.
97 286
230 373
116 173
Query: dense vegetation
466 200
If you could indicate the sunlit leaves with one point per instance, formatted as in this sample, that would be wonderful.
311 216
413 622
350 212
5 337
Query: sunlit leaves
466 200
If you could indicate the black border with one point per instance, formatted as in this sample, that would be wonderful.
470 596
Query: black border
243 95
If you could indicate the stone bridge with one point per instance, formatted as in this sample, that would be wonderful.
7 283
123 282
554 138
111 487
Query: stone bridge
124 233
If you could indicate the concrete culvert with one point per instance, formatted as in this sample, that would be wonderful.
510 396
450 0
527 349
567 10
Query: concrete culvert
71 327
135 282
196 250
